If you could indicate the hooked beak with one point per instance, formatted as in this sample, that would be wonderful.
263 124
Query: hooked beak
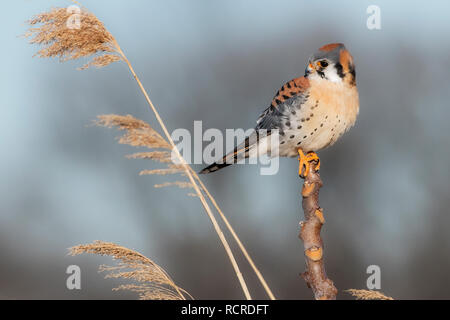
310 69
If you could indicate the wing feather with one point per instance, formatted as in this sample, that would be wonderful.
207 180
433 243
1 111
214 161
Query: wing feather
292 94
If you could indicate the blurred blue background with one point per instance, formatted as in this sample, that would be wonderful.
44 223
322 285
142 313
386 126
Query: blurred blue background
386 193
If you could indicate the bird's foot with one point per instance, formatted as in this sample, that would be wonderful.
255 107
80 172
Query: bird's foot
305 161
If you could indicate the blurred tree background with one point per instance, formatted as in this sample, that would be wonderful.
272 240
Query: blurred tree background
386 192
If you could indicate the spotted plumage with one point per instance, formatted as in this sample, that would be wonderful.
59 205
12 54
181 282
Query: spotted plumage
309 113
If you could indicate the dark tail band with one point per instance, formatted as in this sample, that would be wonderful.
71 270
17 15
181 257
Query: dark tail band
214 167
239 153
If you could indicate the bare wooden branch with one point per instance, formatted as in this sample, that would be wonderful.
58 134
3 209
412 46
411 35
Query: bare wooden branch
315 276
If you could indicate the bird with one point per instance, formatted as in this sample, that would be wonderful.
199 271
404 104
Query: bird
308 113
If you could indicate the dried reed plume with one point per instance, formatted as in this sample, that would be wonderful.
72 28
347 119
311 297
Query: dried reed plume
50 30
92 38
368 294
151 282
140 134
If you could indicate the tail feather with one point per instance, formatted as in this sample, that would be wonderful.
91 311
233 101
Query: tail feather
231 158
214 167
243 151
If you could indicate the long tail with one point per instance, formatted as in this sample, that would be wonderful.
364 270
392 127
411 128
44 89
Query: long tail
240 152
214 167
245 150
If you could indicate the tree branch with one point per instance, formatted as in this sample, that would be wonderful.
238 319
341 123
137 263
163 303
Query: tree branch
315 276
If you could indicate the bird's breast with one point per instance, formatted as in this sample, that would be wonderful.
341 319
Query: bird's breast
328 112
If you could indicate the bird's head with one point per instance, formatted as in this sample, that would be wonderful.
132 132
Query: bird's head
332 62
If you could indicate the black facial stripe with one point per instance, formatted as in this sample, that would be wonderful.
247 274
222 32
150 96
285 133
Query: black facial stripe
321 74
340 70
352 71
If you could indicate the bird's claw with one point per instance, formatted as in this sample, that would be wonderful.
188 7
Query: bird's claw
305 162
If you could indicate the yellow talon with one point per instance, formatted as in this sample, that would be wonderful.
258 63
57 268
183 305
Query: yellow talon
304 162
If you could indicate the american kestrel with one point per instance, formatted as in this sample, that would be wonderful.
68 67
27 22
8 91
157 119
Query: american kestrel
310 113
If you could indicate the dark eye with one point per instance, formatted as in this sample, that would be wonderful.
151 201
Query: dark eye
323 64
